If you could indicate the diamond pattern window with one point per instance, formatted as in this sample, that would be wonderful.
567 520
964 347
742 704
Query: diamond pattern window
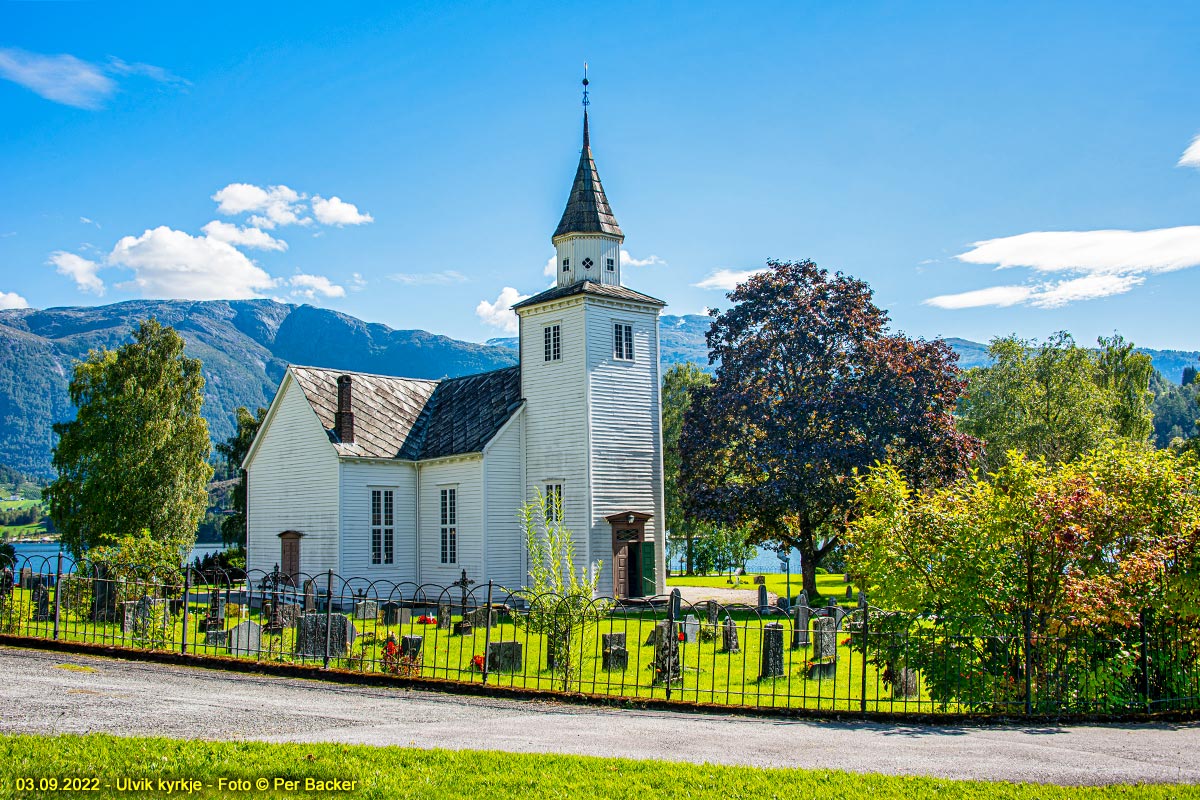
587 263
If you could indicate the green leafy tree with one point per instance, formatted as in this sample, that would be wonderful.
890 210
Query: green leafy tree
233 451
722 549
136 455
1056 400
678 384
811 387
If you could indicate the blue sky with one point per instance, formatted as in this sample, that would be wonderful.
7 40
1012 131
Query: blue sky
987 169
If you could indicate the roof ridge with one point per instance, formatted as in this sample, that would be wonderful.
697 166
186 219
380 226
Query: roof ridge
369 374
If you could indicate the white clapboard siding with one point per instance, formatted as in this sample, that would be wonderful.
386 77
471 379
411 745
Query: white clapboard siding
359 477
504 537
466 475
556 402
293 486
626 437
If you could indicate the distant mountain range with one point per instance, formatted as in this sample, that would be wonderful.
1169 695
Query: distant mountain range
245 346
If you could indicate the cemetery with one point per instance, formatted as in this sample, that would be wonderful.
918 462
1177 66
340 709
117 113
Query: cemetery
798 654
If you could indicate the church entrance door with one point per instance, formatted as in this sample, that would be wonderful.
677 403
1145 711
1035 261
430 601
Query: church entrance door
629 545
289 553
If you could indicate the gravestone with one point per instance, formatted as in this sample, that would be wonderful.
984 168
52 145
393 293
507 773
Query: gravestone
463 628
136 615
394 614
217 637
41 604
481 617
614 657
782 604
245 639
849 592
729 636
824 638
443 616
104 597
6 582
310 636
676 604
26 578
760 580
666 655
691 629
504 657
762 598
802 615
366 609
772 651
712 610
903 681
214 620
310 596
410 647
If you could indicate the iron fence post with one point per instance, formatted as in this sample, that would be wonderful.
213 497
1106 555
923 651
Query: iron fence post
862 700
487 632
328 614
1028 624
671 645
1145 661
187 590
57 593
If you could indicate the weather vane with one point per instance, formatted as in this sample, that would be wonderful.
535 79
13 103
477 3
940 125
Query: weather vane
586 102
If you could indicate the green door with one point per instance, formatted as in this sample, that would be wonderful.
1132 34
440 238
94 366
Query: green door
647 565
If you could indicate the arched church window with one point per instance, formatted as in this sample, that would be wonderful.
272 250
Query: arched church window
587 263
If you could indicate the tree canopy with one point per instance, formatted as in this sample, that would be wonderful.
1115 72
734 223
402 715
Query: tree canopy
678 384
135 456
233 450
811 387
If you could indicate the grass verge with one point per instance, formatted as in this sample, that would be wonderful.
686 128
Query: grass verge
395 772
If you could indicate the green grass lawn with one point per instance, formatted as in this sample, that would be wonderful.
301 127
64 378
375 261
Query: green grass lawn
396 773
828 585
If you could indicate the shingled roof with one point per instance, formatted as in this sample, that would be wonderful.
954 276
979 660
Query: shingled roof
587 208
410 418
592 288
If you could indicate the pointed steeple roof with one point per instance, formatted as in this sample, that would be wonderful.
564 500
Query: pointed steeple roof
587 208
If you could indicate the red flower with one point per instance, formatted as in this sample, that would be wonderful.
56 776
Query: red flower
682 638
478 662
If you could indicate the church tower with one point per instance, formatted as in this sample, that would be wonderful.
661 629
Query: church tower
591 385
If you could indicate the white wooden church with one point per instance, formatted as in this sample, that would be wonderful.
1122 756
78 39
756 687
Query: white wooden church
401 479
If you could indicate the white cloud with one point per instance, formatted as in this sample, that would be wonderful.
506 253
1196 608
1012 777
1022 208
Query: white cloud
172 264
1089 287
551 268
500 314
726 279
1191 156
245 237
311 286
71 81
78 269
357 283
443 278
649 261
12 300
88 221
1001 296
336 211
276 205
62 78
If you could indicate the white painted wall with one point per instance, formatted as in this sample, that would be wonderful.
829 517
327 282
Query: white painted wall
358 479
504 540
293 485
465 474
598 247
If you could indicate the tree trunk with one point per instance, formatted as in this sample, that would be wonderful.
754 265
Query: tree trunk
688 538
808 571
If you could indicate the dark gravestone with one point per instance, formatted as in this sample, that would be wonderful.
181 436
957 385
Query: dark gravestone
729 637
800 620
245 639
666 654
712 610
615 656
504 657
104 597
481 617
41 604
849 592
310 636
217 637
903 682
676 603
762 599
782 604
136 615
214 620
6 582
310 596
463 628
824 638
410 647
772 651
394 614
760 580
443 616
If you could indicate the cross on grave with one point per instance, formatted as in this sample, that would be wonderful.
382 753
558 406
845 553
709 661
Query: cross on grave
464 628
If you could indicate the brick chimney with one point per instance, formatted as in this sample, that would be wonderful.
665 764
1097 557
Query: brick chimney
343 420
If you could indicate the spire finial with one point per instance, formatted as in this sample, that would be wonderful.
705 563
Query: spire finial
586 103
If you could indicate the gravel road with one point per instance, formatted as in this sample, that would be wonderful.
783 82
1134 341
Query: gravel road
39 695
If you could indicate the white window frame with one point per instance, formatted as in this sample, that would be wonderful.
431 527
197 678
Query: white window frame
566 262
449 527
383 525
552 342
553 492
623 341
610 264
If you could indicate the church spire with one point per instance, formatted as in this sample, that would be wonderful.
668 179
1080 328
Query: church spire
587 208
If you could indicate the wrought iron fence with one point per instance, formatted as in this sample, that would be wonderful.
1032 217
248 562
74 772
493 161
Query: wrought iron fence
827 658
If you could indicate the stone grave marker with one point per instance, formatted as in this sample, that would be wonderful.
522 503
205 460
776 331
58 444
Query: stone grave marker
903 681
849 592
782 604
824 638
410 646
614 657
760 580
394 614
104 597
41 603
217 637
763 606
481 617
6 582
666 655
801 617
310 636
691 629
772 651
310 596
676 604
366 609
463 628
245 639
504 657
729 636
712 610
443 616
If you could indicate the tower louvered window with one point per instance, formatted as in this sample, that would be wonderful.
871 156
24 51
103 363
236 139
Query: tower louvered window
553 342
